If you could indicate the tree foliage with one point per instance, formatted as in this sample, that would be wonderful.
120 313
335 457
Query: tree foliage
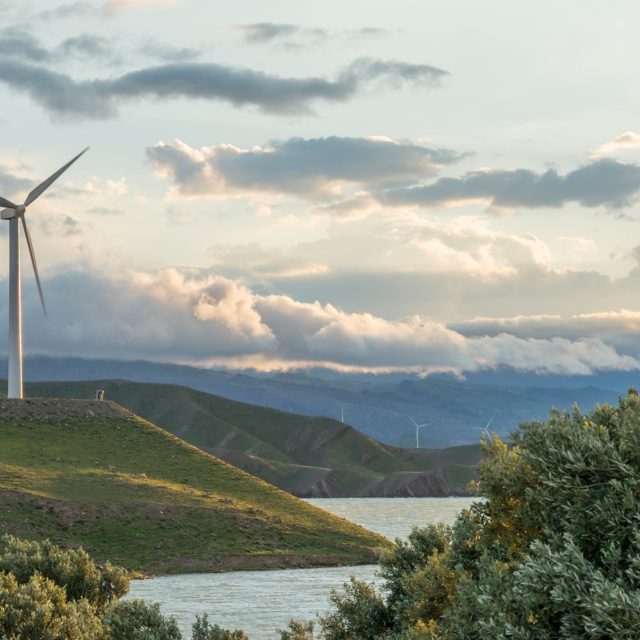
139 620
203 630
72 569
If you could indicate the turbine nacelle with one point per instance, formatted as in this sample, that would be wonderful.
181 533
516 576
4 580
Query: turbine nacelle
14 212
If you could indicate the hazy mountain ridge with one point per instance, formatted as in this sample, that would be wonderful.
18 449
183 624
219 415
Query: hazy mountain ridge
379 406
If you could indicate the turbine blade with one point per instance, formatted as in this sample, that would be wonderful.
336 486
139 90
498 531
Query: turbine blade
7 203
33 262
43 186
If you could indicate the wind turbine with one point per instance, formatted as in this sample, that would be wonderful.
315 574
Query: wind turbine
418 427
485 431
13 213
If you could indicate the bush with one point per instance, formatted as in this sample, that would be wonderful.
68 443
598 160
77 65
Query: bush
39 608
202 630
360 612
297 630
50 593
72 569
138 620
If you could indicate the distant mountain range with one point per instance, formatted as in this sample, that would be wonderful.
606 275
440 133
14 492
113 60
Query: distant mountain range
306 456
379 406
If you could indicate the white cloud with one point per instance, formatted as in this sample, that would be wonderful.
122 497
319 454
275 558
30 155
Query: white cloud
396 242
628 141
618 328
188 317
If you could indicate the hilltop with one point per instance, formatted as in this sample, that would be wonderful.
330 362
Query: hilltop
93 473
307 456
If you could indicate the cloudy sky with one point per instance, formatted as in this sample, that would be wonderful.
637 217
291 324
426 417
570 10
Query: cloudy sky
417 186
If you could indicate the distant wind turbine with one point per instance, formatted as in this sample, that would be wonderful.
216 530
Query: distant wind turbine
13 213
485 431
342 415
418 427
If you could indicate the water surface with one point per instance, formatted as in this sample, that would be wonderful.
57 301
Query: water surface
262 601
394 517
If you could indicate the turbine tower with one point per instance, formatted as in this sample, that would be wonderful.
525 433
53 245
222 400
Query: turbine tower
418 427
15 213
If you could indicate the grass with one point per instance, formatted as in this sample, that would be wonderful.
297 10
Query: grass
138 496
307 456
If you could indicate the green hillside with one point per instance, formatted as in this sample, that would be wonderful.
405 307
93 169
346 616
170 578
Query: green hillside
92 473
307 456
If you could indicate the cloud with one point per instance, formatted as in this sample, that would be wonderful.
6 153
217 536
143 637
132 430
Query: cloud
628 141
183 316
11 184
618 328
320 167
15 41
270 32
355 206
167 52
367 32
61 95
308 168
107 8
603 182
397 263
70 10
258 32
118 6
86 45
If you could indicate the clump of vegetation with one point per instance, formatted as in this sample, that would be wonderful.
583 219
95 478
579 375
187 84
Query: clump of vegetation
203 630
552 552
50 593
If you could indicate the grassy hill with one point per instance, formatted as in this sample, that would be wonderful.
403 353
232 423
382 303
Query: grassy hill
92 473
307 456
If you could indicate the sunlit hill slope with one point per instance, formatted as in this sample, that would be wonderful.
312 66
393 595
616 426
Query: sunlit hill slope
92 473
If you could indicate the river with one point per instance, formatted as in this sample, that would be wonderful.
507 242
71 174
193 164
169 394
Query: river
262 601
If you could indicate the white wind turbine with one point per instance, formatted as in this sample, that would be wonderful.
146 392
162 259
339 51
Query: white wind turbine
13 213
485 431
418 427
